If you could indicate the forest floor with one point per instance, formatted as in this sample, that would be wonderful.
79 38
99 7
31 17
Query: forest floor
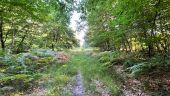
82 75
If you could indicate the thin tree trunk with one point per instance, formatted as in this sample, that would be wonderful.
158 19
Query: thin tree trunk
13 38
1 34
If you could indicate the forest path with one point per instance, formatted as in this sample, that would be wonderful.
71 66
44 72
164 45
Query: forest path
78 89
82 75
90 79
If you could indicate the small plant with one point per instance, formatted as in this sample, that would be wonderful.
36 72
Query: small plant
140 68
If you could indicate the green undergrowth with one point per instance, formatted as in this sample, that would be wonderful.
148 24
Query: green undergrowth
91 70
135 63
58 76
20 72
139 65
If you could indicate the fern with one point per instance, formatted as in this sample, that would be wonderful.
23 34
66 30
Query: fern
139 68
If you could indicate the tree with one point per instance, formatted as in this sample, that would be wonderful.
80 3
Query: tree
138 28
23 22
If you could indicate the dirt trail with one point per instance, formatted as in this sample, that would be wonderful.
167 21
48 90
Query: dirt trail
78 89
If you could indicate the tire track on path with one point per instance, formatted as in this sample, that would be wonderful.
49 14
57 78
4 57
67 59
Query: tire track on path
78 87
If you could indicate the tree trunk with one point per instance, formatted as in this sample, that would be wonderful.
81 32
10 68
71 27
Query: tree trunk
1 34
52 46
13 38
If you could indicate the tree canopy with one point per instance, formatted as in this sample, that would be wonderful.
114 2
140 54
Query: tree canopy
26 24
128 24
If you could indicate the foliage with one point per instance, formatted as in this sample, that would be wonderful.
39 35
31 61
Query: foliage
109 58
104 57
35 24
21 71
142 27
25 25
141 32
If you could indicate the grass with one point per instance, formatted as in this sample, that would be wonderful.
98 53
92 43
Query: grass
57 78
58 75
92 69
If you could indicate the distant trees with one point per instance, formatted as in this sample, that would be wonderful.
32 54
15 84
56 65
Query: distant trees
28 24
129 25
